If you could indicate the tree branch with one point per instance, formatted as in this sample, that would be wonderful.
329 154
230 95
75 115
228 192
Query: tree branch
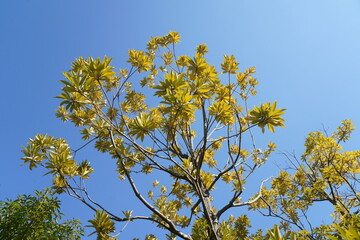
170 225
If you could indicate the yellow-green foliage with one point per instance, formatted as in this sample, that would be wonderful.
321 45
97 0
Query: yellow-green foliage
181 120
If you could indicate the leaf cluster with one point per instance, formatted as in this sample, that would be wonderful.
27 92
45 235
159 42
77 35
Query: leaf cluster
36 217
325 173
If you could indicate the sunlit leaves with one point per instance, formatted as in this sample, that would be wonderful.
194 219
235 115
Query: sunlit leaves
222 112
229 176
266 115
180 105
84 169
201 89
275 234
88 74
183 61
209 158
60 183
84 88
73 100
235 228
156 183
103 225
199 229
247 83
78 82
324 173
170 209
349 229
127 213
142 125
344 131
151 237
229 65
197 66
134 102
139 60
202 49
173 37
282 183
172 83
217 144
183 193
146 168
59 159
62 113
206 178
35 151
324 154
167 58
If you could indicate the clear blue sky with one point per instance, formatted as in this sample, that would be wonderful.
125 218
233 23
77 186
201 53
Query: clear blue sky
307 55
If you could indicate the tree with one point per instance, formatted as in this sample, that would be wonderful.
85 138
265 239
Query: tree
191 126
324 173
36 217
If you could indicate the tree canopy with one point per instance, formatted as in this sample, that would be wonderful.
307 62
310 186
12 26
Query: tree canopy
36 217
191 122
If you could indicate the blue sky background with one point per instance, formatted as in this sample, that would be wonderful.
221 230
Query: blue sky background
307 55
